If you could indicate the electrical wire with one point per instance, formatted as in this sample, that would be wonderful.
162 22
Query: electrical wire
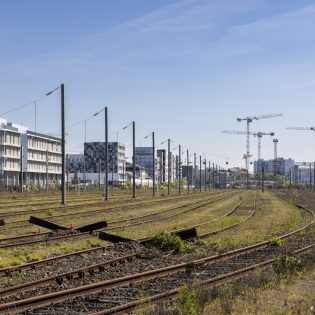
29 104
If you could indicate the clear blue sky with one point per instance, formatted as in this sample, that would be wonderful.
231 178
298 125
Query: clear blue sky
184 69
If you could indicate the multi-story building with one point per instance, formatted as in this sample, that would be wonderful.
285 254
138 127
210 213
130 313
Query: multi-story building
42 159
94 153
10 154
41 156
144 158
302 173
90 166
75 163
162 175
279 166
187 172
142 177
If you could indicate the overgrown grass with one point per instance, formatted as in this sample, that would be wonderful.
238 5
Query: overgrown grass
276 241
21 255
287 264
273 216
168 241
285 289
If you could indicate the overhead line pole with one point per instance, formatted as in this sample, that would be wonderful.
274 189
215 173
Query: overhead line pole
205 174
209 175
188 170
106 156
153 161
200 172
179 169
169 166
63 146
213 176
195 166
134 160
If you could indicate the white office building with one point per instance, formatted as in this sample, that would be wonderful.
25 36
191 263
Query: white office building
41 157
10 153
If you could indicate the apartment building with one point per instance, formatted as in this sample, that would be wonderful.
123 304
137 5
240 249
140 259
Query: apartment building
280 166
90 166
10 153
40 159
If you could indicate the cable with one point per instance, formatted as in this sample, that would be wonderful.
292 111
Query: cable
30 103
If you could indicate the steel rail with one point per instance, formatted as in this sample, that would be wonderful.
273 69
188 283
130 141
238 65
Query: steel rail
32 242
106 210
77 273
9 270
221 279
204 235
87 213
87 289
61 296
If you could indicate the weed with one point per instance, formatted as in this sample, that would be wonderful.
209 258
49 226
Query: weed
95 242
287 264
51 212
168 241
188 303
33 257
143 306
276 241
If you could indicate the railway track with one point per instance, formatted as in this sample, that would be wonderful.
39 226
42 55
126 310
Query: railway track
102 210
36 264
78 200
19 200
206 270
151 275
7 243
172 294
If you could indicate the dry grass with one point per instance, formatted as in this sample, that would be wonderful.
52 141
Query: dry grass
273 216
287 296
201 215
20 255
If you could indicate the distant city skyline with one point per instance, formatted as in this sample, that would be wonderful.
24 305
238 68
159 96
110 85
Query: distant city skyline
184 69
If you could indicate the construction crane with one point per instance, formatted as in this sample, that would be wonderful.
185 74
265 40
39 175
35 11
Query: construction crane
258 134
249 120
302 128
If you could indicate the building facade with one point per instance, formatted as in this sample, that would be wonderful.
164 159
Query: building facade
25 154
162 175
279 166
10 154
187 172
89 167
302 173
144 158
42 159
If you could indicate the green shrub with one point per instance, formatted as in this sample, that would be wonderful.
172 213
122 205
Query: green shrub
287 264
168 241
33 257
188 303
276 241
51 212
